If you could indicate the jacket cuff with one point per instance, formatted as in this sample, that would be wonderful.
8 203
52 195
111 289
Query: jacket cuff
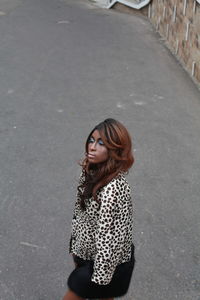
99 281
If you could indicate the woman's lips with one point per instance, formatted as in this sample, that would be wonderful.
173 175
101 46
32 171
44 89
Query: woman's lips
90 155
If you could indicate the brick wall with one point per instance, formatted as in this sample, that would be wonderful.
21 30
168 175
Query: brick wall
178 21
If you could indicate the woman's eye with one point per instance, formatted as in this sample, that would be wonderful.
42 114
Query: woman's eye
101 142
91 140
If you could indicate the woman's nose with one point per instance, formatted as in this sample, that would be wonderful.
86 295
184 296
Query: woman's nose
93 146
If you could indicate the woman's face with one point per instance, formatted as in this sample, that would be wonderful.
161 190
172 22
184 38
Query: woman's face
97 151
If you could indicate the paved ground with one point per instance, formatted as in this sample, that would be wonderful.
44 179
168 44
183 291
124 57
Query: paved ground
64 66
101 3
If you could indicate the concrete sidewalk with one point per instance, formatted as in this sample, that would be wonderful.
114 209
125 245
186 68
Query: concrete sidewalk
101 3
65 66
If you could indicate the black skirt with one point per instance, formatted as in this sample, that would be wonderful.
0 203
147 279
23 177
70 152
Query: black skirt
80 282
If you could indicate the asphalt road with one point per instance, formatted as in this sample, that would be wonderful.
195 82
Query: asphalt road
65 66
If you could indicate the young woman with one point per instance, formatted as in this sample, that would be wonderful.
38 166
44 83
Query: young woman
101 239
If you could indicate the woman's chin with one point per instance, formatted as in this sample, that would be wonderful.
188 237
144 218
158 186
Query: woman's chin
92 160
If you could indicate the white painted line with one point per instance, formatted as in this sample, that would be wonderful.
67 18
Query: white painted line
10 91
63 22
31 245
139 103
120 105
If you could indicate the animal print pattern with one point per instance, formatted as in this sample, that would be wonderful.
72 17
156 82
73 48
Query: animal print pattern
104 234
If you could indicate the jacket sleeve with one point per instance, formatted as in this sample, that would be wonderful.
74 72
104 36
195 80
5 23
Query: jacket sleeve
77 202
76 211
110 235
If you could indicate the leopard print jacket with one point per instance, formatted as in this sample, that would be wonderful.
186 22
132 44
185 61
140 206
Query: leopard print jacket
104 234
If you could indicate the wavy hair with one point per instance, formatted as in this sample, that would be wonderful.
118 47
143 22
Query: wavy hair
120 158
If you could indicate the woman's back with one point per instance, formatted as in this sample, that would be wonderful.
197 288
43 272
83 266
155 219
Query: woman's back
103 231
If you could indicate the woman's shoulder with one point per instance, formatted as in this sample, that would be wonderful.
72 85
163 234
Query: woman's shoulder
118 188
117 183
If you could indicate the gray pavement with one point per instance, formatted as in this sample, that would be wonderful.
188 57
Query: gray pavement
64 66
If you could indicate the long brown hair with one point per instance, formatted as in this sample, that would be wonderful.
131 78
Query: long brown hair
120 158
